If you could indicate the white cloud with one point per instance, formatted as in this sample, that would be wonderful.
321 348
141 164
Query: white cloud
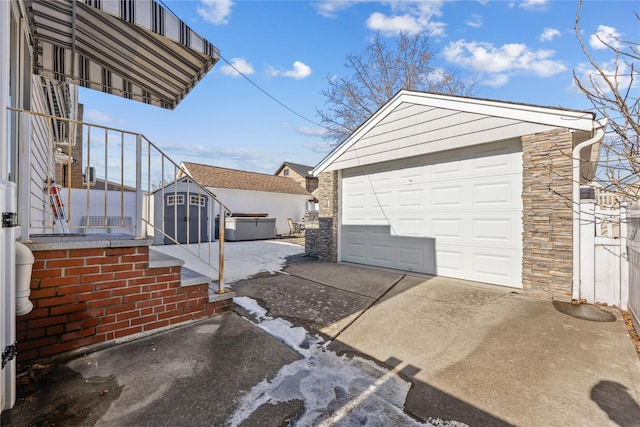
589 77
319 147
474 21
608 35
299 71
308 131
512 57
409 17
496 80
330 8
549 34
393 24
533 4
215 11
238 65
95 116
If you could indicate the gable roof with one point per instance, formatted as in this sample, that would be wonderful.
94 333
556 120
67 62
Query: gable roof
414 123
303 170
217 177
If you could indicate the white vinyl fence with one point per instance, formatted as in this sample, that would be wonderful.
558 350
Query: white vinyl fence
100 211
633 247
604 264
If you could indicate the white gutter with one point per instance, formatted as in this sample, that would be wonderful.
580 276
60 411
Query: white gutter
575 285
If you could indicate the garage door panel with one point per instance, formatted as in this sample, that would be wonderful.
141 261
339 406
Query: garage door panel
492 265
446 167
413 227
448 196
493 230
382 253
468 202
410 197
355 201
448 228
355 250
374 245
493 194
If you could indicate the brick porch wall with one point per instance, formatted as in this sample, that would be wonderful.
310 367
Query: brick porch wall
88 296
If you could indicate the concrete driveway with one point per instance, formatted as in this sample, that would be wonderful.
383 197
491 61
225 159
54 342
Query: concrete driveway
474 353
452 350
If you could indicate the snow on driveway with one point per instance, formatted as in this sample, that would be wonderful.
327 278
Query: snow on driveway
241 259
336 390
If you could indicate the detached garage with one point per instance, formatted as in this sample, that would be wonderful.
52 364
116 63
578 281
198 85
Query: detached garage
460 187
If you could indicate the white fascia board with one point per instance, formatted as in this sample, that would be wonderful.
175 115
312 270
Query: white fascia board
571 119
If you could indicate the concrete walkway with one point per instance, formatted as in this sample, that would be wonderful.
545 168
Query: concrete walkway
475 354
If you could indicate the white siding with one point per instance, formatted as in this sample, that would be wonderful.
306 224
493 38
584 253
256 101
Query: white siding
412 130
41 160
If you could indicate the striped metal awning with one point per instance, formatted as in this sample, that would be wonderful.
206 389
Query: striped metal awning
131 48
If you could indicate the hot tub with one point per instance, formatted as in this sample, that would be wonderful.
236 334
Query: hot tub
240 227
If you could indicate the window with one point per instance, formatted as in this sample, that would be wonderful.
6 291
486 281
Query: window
197 200
286 172
173 200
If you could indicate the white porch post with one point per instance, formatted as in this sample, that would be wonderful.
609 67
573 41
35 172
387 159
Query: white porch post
139 195
24 176
587 252
624 258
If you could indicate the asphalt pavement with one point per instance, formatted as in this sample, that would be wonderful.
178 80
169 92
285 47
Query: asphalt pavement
469 353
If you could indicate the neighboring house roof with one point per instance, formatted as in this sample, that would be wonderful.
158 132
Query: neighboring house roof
217 177
415 123
302 170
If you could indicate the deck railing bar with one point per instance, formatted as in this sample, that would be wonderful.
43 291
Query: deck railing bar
82 133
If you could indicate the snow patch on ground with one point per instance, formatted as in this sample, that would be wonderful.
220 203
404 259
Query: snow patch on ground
336 390
241 259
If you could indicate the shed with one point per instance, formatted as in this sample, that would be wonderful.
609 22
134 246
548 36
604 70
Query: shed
246 192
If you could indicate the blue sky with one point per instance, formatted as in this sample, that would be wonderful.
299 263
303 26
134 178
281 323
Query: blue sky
518 51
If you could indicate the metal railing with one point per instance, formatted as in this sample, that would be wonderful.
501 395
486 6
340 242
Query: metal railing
102 180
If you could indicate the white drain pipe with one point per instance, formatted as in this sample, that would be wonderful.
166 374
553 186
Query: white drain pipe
575 285
24 264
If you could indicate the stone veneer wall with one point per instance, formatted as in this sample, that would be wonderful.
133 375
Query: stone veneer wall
327 195
311 241
547 216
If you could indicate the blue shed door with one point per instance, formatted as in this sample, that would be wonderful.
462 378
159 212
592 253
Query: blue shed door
185 218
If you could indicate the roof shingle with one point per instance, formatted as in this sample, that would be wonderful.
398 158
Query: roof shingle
217 177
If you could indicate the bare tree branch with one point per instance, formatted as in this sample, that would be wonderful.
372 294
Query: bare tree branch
615 97
377 75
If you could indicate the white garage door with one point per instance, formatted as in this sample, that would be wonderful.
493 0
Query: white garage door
455 214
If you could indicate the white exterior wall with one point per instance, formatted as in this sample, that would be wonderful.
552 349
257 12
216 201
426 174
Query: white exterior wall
278 205
117 204
41 160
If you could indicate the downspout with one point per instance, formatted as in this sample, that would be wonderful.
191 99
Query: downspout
575 285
